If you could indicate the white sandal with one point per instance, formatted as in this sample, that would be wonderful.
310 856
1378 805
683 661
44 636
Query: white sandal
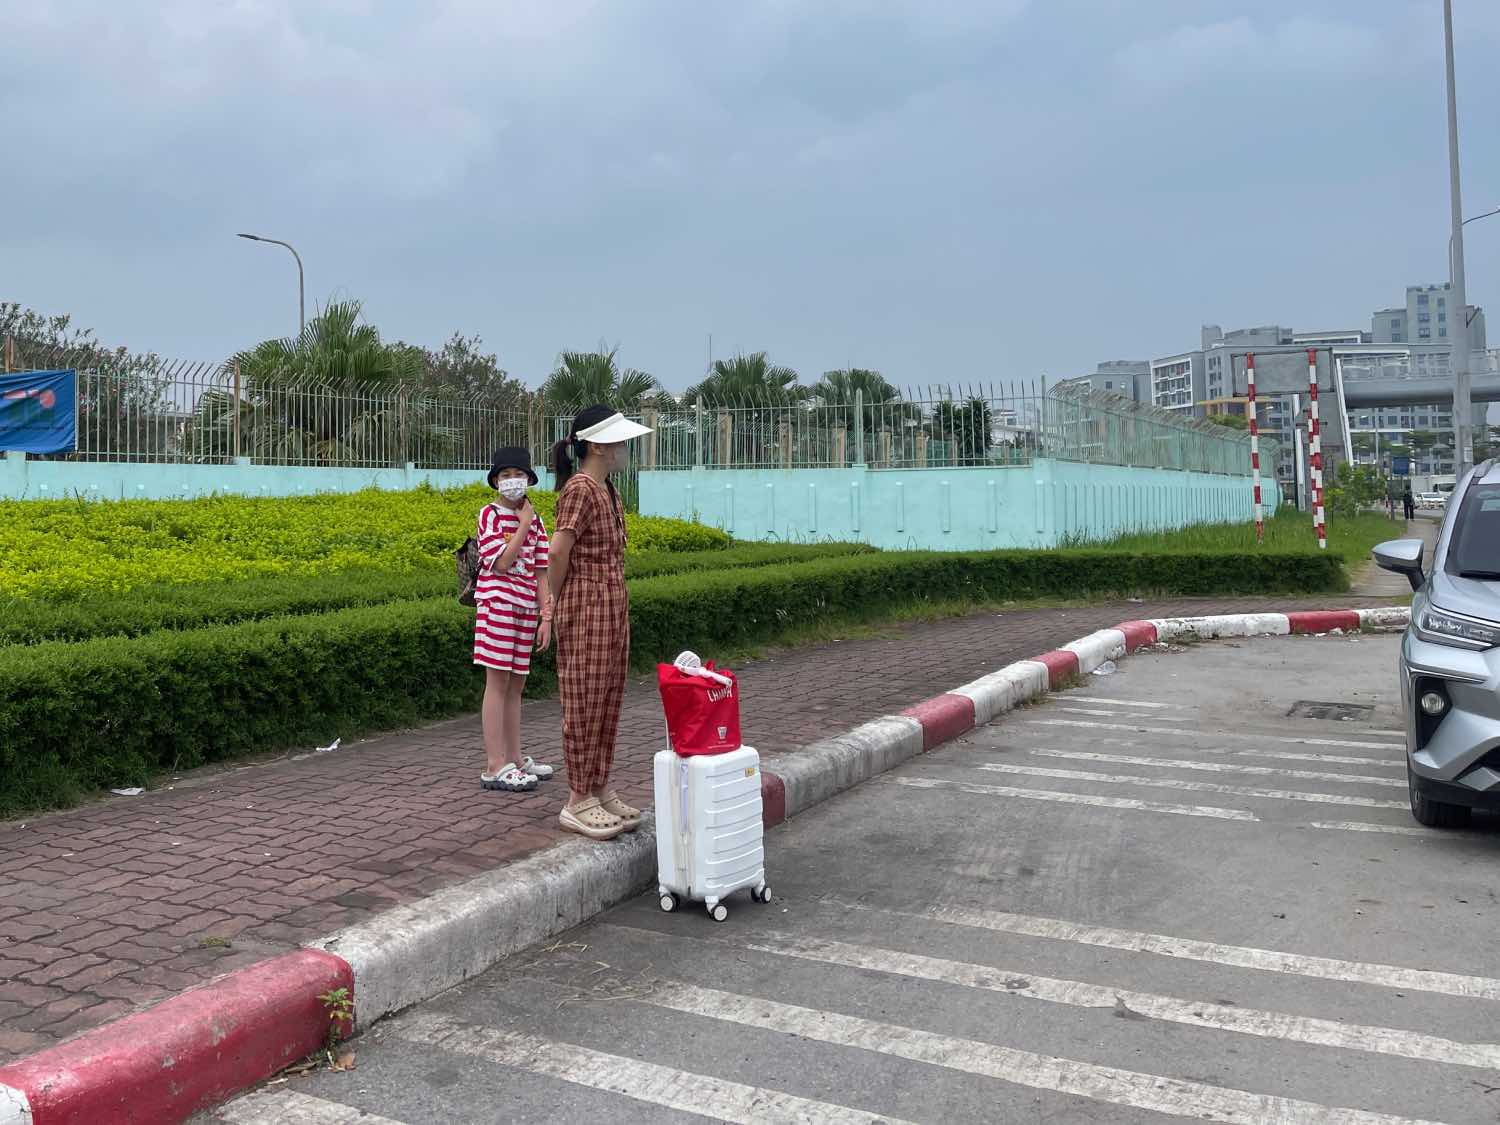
537 769
510 779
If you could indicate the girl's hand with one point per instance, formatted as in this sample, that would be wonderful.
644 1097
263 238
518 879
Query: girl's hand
544 634
525 514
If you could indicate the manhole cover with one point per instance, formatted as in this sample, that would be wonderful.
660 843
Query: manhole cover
1338 712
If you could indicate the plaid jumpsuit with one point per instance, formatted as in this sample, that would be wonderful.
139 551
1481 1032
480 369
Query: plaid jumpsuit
592 626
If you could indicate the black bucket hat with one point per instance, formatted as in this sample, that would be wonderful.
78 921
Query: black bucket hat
511 457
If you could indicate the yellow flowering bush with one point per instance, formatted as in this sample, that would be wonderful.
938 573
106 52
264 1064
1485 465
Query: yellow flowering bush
62 549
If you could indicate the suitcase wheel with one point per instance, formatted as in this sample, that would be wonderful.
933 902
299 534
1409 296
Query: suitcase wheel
761 894
669 902
718 912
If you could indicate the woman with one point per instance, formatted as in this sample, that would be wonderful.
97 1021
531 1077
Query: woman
591 615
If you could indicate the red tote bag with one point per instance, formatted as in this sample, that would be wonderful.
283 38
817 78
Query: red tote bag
703 715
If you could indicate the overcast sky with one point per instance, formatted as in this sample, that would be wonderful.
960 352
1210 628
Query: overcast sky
965 189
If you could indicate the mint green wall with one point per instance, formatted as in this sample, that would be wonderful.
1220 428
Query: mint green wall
29 479
1039 505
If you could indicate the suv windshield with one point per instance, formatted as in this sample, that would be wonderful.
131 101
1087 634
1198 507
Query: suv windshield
1475 550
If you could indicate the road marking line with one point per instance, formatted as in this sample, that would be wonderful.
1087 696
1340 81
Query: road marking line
1120 714
1191 949
1215 734
1157 1093
1393 829
1072 798
291 1107
1278 755
1082 994
1124 702
683 1090
1222 767
1193 786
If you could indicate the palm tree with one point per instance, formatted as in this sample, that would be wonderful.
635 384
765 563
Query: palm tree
585 378
747 380
334 395
841 385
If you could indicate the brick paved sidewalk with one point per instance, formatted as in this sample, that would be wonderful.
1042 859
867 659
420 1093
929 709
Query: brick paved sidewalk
120 904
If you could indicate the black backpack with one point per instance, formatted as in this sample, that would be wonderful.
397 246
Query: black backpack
466 559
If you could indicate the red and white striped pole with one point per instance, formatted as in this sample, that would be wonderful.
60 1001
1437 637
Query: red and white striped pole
1315 450
1260 523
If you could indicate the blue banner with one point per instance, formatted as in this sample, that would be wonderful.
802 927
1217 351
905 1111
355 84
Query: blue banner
1401 466
38 412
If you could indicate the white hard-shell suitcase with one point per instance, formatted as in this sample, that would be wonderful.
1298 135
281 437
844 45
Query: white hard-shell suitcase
709 836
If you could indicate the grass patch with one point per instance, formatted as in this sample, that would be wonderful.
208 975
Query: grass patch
1288 532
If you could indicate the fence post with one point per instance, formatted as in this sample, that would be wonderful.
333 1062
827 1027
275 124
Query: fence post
649 420
726 438
859 427
697 435
10 353
236 409
883 458
922 450
784 441
840 447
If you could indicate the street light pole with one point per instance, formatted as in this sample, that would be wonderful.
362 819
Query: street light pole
1463 453
1471 219
301 290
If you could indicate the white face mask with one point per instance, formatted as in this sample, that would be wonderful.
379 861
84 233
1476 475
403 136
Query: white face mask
513 488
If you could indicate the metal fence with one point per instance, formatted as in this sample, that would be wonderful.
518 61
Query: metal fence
958 431
157 411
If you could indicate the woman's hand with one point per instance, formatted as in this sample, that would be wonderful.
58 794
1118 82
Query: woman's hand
544 634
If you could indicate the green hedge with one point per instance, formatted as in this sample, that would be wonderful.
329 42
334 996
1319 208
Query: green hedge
109 711
147 609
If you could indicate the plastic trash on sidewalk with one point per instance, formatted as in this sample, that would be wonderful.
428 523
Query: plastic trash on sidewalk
1106 669
709 833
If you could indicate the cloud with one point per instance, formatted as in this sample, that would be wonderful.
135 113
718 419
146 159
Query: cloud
1240 50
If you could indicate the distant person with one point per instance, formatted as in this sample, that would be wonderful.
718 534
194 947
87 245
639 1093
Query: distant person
593 616
1409 503
513 615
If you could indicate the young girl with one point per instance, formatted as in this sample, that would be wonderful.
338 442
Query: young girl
514 614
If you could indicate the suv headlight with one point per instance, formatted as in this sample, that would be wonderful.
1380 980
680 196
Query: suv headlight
1461 632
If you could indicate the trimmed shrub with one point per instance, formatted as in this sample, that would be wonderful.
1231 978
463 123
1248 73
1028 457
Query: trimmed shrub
108 712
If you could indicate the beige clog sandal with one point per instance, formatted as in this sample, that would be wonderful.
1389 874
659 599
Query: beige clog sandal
612 804
589 818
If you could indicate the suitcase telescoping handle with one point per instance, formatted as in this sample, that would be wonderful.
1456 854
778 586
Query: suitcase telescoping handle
689 664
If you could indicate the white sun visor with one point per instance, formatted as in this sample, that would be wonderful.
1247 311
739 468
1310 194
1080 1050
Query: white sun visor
615 428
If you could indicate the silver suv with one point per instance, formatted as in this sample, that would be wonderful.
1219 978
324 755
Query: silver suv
1450 657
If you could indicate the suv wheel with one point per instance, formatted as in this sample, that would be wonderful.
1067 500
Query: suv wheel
1434 814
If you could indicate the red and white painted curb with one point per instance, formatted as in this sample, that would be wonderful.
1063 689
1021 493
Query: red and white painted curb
195 1050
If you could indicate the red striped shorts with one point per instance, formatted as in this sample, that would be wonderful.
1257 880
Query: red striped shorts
504 635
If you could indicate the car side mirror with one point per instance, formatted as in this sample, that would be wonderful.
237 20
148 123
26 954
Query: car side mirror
1403 556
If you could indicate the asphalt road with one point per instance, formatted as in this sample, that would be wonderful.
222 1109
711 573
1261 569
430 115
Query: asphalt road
1163 894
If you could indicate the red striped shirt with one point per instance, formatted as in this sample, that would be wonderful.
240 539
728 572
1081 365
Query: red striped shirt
518 585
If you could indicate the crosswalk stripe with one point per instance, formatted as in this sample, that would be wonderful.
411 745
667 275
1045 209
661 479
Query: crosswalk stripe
1118 714
292 1107
1156 1093
1220 767
666 1086
1124 702
1071 798
1236 735
1213 952
1081 994
1192 786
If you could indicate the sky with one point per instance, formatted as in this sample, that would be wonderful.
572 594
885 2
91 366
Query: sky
947 191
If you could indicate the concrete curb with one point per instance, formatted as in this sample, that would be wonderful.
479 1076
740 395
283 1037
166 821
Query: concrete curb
241 1029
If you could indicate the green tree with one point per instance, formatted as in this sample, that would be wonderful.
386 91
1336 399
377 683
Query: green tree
463 367
840 386
335 395
125 400
585 378
966 427
747 380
